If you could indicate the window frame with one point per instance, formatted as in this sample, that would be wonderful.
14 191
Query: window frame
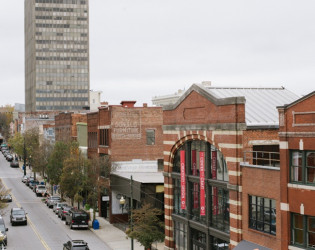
255 219
304 168
150 137
305 228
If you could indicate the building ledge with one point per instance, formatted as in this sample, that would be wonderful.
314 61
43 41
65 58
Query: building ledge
246 164
301 186
295 248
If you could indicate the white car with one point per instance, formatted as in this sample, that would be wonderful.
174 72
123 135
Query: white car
40 190
57 206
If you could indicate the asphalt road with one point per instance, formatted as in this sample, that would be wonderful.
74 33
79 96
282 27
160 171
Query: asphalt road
44 229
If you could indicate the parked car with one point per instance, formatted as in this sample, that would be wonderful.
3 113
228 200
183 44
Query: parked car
6 198
33 183
40 190
52 200
14 164
57 206
9 157
76 218
3 230
24 178
75 245
62 212
18 216
29 179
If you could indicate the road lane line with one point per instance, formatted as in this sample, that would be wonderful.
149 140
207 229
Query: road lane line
29 221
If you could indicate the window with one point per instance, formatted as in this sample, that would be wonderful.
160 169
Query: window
180 231
104 137
204 190
302 167
262 214
150 136
92 139
220 214
303 231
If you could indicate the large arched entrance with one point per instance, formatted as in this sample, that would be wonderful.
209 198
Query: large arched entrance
200 197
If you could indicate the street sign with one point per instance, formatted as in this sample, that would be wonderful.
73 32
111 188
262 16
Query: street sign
105 198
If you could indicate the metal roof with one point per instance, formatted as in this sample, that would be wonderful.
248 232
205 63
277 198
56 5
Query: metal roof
147 177
261 103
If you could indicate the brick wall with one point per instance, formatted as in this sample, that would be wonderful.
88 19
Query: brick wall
66 125
197 118
263 183
297 132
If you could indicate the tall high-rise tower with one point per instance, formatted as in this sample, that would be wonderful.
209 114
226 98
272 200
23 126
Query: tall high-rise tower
57 75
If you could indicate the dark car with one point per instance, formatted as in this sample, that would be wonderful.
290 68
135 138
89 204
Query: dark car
18 216
29 179
14 164
75 245
76 218
62 212
6 198
3 230
33 183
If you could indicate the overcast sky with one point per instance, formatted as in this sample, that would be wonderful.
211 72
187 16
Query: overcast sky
143 48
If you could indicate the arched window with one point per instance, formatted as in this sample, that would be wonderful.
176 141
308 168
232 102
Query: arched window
200 179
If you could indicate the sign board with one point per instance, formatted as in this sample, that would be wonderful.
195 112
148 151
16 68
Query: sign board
105 198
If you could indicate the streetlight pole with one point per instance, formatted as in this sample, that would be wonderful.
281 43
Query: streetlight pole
24 152
131 207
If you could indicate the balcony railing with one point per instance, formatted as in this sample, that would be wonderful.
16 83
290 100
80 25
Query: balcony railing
262 158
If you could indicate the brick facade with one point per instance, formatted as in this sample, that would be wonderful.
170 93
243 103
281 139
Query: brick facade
197 118
66 125
200 117
297 133
121 132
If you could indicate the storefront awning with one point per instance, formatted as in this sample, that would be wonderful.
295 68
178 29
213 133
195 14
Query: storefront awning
120 182
246 245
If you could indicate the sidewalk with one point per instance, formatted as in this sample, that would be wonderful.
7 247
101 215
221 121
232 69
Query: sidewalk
115 238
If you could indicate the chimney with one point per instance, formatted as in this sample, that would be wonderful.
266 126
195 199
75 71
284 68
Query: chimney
128 104
104 104
145 105
206 83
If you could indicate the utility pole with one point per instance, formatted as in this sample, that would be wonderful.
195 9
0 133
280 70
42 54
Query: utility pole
131 207
24 152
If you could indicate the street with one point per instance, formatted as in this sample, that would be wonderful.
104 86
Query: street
44 229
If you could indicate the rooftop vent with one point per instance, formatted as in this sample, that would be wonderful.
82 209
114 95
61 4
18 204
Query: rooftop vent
128 104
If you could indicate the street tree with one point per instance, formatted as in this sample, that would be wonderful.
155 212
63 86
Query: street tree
41 156
61 151
17 143
6 118
147 226
98 181
73 177
31 139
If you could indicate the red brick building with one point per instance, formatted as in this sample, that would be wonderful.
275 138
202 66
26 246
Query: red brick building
132 136
66 125
214 182
297 149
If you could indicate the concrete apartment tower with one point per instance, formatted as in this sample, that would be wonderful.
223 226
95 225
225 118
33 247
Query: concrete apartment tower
57 75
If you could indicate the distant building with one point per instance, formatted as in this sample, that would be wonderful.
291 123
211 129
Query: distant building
82 137
19 107
66 125
132 137
56 55
95 100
